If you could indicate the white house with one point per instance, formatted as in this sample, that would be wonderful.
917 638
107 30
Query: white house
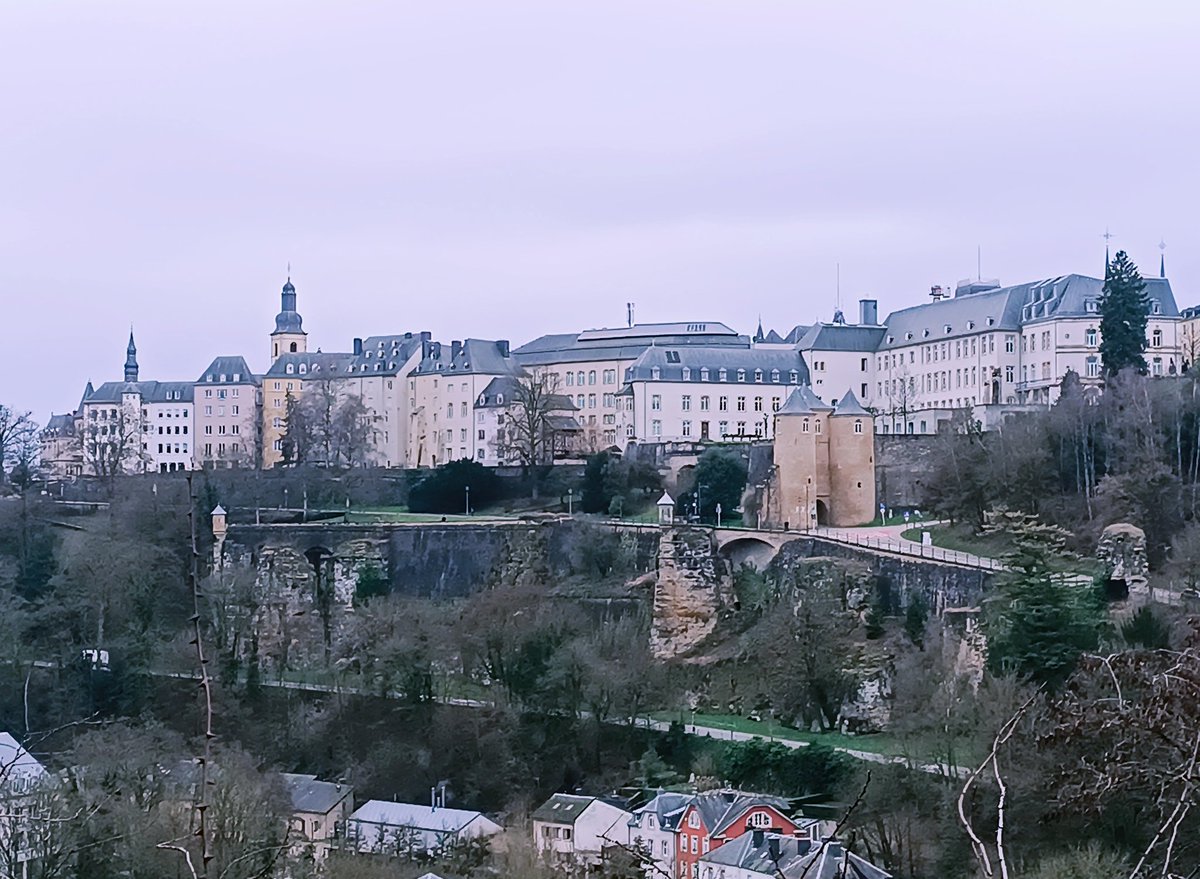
20 776
382 827
574 830
655 824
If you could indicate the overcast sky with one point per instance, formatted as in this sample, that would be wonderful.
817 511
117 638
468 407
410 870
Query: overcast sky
506 169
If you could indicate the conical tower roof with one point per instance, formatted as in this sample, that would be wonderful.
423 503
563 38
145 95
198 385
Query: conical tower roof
849 405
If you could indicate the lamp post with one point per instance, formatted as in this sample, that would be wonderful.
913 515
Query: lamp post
570 501
718 515
468 493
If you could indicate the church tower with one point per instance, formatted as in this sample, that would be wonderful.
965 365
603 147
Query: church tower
289 336
131 367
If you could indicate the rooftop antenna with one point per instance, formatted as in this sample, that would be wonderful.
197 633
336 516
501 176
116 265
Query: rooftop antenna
1162 258
289 269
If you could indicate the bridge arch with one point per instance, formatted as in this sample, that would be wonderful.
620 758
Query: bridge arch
749 550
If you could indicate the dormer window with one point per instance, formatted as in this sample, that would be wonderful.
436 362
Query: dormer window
774 375
991 321
704 374
655 373
947 329
500 399
891 339
1156 307
693 819
794 376
925 334
741 375
723 374
687 374
1090 306
758 375
237 377
291 368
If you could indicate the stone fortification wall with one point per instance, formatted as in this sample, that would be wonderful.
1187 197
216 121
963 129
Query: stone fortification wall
902 466
942 586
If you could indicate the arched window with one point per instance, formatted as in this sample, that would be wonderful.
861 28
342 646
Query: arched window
293 347
858 426
592 377
774 375
760 820
741 375
579 377
290 368
758 375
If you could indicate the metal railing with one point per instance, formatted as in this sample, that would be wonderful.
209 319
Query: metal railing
911 548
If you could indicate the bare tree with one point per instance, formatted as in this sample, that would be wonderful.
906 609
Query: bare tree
112 446
527 435
329 427
18 438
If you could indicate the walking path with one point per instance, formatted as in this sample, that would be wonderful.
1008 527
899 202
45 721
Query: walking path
887 538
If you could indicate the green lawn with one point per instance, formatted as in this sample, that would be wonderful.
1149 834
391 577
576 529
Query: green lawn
962 538
768 728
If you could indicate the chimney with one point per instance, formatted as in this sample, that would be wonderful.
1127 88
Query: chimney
455 350
358 347
629 313
503 347
773 847
433 799
756 839
868 312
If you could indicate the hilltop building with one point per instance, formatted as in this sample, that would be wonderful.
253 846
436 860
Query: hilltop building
228 404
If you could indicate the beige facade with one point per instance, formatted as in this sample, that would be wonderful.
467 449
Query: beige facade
319 810
824 465
228 402
443 390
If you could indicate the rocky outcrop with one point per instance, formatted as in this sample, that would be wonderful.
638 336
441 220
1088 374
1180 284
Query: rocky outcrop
691 590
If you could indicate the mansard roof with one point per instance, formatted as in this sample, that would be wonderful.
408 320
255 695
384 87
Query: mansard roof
228 369
316 364
386 355
474 357
503 390
150 392
841 337
625 343
670 362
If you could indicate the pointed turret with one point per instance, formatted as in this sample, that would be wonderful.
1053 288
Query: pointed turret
1162 258
849 405
131 364
759 336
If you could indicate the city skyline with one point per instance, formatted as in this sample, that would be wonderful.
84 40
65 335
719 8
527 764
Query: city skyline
508 174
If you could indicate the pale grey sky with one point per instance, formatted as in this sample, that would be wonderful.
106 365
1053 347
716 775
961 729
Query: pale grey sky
505 169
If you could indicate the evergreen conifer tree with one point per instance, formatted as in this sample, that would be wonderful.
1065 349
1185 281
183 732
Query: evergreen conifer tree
1124 308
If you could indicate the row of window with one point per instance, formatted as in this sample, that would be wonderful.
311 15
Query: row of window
577 378
165 430
222 392
685 403
723 375
233 410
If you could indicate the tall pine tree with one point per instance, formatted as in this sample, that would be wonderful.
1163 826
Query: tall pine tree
1124 307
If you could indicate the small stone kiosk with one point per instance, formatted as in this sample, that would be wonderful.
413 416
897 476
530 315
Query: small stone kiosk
666 510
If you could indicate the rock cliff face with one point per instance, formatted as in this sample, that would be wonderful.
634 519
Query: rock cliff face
691 591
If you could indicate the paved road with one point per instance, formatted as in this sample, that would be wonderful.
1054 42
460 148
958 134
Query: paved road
656 725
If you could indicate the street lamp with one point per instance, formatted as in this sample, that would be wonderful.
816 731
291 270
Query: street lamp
570 501
718 515
468 491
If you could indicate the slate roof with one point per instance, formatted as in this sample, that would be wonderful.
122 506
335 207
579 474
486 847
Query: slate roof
974 310
505 386
387 355
719 809
795 858
562 809
151 392
671 362
475 357
625 343
317 365
793 336
668 807
849 405
228 366
965 315
60 425
803 401
841 337
310 795
419 817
